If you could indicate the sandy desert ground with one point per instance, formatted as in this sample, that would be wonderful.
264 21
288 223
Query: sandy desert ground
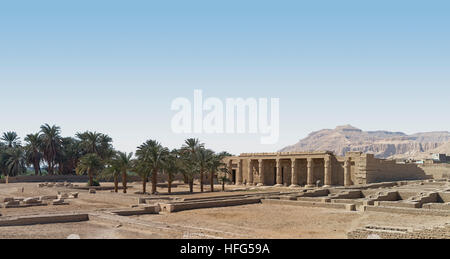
249 221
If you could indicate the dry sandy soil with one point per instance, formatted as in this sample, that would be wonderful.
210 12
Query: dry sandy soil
250 221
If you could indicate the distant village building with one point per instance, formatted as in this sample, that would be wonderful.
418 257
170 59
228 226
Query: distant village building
439 158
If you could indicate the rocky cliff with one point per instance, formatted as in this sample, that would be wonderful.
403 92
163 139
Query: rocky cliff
384 144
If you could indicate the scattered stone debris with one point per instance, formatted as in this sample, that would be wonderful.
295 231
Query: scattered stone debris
48 197
59 202
12 203
33 200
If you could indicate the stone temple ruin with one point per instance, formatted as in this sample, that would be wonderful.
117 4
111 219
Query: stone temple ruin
310 168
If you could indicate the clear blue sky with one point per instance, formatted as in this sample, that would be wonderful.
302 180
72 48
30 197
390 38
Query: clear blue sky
115 66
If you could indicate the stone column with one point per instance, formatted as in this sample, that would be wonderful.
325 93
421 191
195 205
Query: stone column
239 174
250 172
327 177
310 173
347 172
261 172
279 182
294 180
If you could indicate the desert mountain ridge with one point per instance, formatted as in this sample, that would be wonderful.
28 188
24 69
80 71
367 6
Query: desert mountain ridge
383 144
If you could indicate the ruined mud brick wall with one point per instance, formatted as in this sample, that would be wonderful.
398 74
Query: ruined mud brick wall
369 169
437 171
439 232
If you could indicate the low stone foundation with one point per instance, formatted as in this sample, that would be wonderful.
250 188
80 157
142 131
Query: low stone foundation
145 210
442 213
349 207
43 219
181 206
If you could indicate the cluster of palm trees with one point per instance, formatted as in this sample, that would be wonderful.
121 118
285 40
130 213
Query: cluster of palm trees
92 153
60 155
192 161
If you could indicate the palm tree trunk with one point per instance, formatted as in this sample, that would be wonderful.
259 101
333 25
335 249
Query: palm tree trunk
223 186
50 168
201 180
91 180
144 184
191 185
154 181
116 183
211 181
7 179
124 181
36 168
50 171
170 184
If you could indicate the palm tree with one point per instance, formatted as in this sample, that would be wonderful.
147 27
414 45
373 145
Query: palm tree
90 164
203 159
33 151
51 145
125 164
105 146
214 164
11 139
69 155
154 155
188 167
224 176
190 151
192 145
13 161
3 157
172 167
94 142
143 170
113 169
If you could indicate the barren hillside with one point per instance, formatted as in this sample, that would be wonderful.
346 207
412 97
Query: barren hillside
384 144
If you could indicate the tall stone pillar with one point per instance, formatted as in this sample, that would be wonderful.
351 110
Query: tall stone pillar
279 182
327 176
239 172
250 172
294 176
261 172
310 173
347 172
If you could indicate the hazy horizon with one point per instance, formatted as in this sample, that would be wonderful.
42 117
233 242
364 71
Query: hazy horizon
115 66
